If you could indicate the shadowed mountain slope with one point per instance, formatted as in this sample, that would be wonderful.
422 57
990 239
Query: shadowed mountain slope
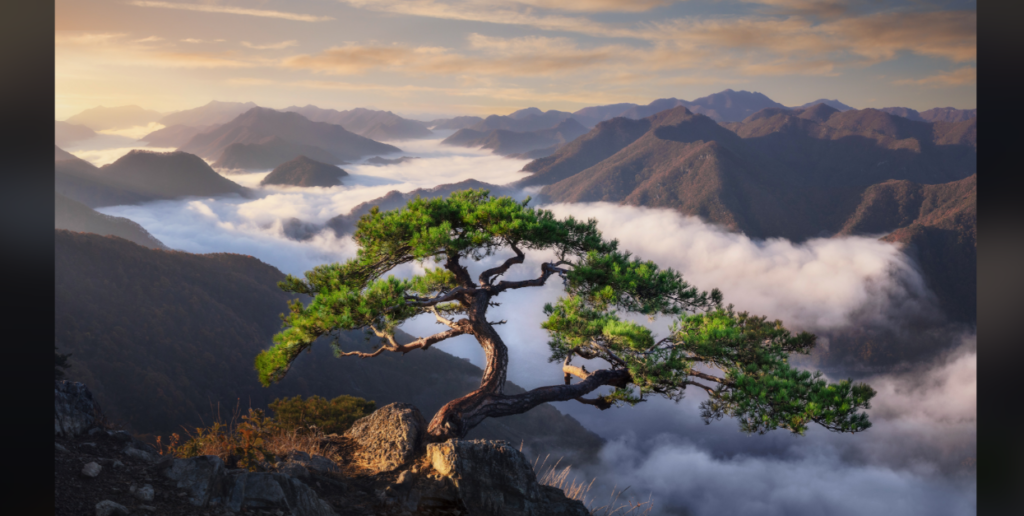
163 338
82 181
269 153
167 175
65 133
75 216
174 136
937 224
454 124
781 172
303 171
525 120
529 144
258 124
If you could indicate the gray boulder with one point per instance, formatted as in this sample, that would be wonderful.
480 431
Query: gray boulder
389 437
110 508
144 493
200 477
75 410
208 483
309 463
493 478
91 470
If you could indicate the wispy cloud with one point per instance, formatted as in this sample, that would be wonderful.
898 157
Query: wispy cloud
208 8
150 39
272 46
958 77
527 56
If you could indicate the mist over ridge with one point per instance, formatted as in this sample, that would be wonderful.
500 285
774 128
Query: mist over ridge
915 459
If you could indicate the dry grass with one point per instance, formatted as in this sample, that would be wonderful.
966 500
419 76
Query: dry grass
249 431
551 475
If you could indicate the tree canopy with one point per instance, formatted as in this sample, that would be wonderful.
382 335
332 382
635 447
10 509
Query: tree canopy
739 360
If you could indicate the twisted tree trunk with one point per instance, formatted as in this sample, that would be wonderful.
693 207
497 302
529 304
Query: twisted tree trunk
457 417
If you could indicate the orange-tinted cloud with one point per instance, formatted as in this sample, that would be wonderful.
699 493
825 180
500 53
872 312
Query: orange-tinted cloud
958 77
224 9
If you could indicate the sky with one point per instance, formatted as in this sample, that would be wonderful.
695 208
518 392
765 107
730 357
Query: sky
439 58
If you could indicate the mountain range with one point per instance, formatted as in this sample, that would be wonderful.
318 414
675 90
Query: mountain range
795 174
122 117
259 126
166 339
138 176
74 216
213 113
522 144
376 125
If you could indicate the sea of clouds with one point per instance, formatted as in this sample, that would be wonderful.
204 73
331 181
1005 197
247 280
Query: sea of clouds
916 459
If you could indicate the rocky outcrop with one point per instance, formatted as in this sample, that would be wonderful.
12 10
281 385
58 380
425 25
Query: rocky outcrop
75 411
208 483
492 477
389 437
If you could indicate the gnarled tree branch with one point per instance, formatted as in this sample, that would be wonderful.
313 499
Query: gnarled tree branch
487 275
547 269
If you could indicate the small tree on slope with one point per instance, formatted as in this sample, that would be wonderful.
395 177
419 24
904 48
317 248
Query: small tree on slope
739 360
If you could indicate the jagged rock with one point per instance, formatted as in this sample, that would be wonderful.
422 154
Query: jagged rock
91 470
492 477
314 462
139 454
208 483
144 493
389 437
110 508
272 491
94 431
88 445
294 469
74 408
60 448
199 476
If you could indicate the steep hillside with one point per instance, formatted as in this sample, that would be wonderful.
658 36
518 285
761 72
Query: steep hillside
586 151
163 337
80 180
75 216
258 124
938 226
303 171
269 153
781 172
65 133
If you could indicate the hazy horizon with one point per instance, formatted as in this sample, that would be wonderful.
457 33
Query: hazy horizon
480 57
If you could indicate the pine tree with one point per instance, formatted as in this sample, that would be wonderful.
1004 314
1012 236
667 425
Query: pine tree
754 381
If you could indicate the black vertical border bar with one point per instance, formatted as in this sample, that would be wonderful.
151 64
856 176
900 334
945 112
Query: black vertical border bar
1000 258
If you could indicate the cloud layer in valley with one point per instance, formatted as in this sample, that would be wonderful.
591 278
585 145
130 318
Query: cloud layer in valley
916 459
